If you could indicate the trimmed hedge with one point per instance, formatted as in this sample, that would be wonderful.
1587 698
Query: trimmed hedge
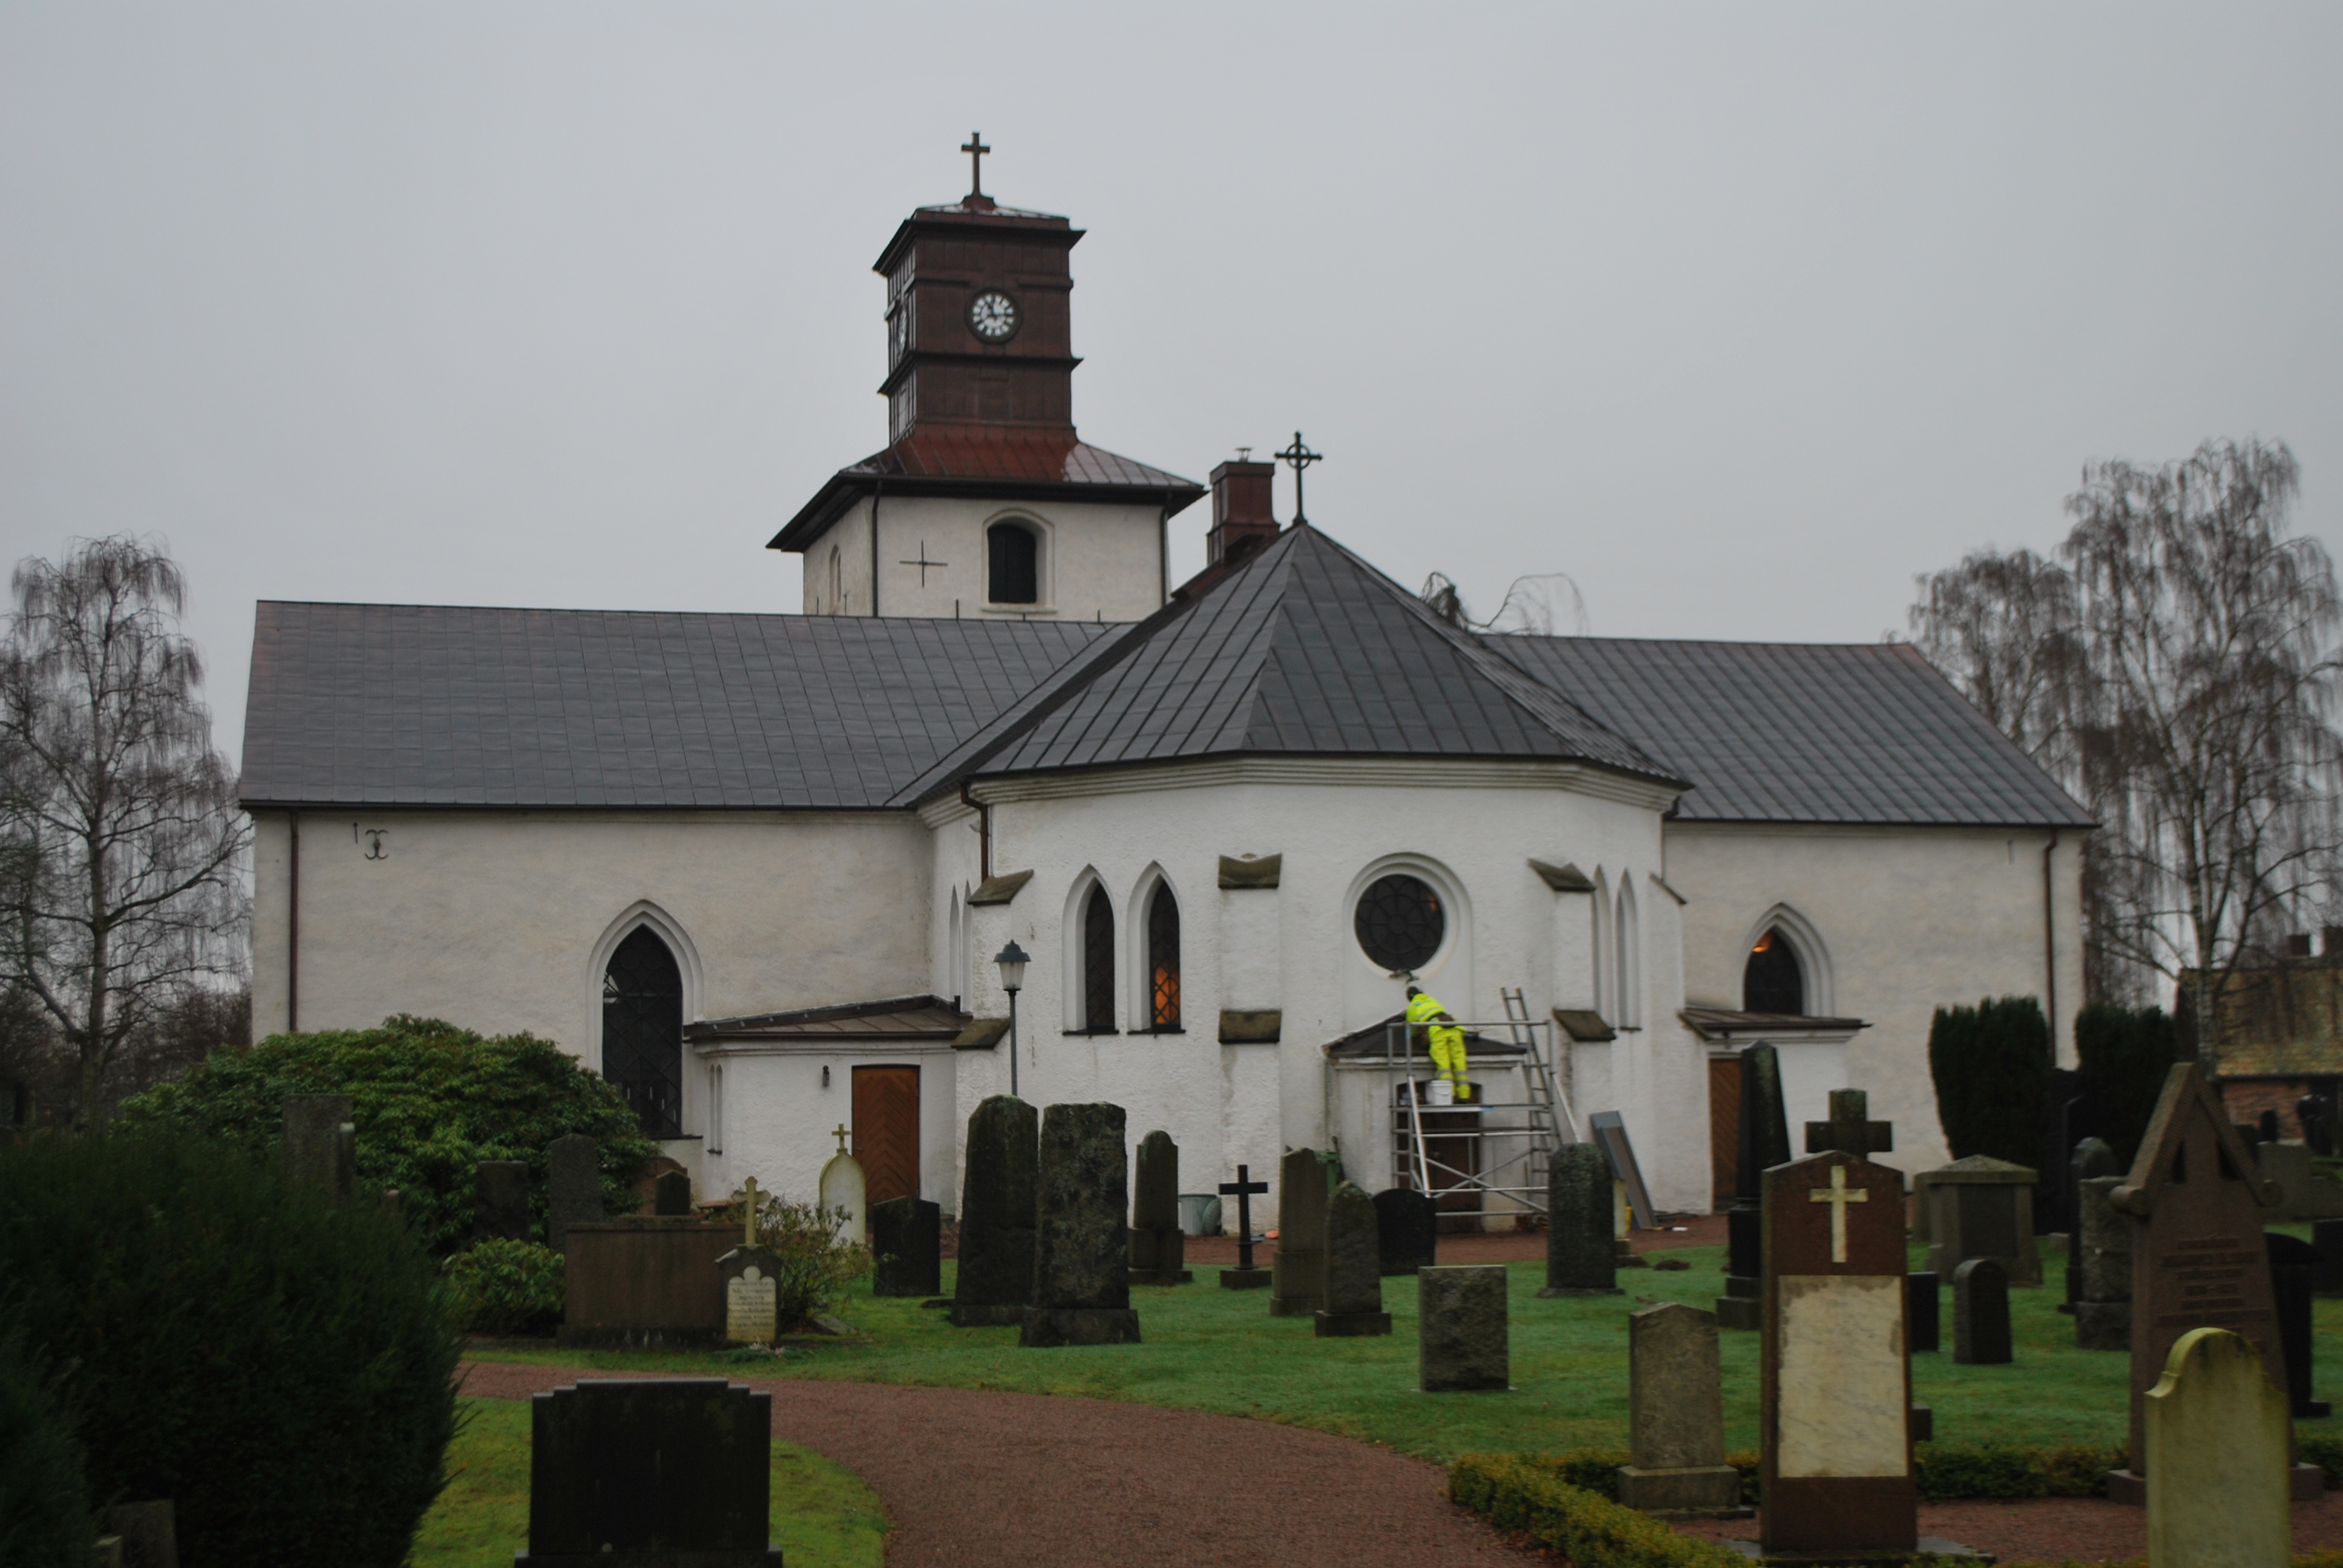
1991 1064
2124 1054
1585 1526
429 1101
2323 1449
1945 1471
44 1515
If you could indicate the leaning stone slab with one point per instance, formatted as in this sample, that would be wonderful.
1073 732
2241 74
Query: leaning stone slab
995 1281
1676 1403
905 1247
1354 1285
1460 1319
1081 1245
651 1473
2217 1439
1582 1254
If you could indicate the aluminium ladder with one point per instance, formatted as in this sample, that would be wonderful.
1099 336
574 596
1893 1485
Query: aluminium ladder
1532 1127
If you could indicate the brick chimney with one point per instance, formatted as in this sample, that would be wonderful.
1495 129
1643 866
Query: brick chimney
1242 520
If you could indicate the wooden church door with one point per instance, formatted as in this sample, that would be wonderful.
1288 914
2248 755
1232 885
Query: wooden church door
1724 1128
887 1131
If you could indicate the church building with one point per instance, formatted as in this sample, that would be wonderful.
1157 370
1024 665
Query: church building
760 870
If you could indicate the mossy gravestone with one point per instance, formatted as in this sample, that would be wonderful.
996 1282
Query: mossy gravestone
996 1215
1354 1284
1298 1268
1676 1401
906 1248
2216 1438
652 1472
1581 1255
1159 1248
1460 1322
1082 1247
2103 1294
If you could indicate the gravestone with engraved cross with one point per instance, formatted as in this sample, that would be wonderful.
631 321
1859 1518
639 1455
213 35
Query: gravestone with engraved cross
1245 1276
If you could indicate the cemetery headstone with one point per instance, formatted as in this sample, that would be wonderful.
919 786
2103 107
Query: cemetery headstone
1676 1403
646 1282
843 1188
573 1187
1836 1384
1159 1253
651 1470
501 1200
2103 1302
2198 1260
2327 1235
1981 1207
907 1240
1581 1258
2218 1444
1764 1144
1355 1282
1921 1304
1460 1327
1298 1267
149 1533
996 1215
1408 1230
2094 1158
1981 1313
671 1195
320 1144
2292 1263
2304 1193
1081 1246
1850 1129
751 1295
1245 1276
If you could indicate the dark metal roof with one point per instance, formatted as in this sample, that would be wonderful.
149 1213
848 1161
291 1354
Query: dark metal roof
1306 650
415 705
1802 732
1720 1024
897 1017
1377 1040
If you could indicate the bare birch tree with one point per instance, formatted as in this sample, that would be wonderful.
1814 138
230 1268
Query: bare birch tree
120 838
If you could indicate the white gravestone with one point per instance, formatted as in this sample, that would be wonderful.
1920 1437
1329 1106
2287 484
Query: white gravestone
751 1302
841 1189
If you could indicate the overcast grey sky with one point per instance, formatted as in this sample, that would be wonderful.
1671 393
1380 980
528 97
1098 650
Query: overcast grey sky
1741 315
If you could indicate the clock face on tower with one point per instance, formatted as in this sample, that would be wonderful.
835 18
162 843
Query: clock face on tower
992 315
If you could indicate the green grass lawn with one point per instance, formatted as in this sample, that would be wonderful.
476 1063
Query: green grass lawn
1214 1350
823 1516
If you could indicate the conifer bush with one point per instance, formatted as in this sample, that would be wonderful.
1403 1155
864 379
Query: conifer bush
2124 1054
429 1101
44 1514
279 1366
1992 1064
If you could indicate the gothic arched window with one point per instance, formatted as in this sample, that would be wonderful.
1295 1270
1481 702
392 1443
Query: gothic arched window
642 1032
1772 982
1163 958
1014 564
1098 963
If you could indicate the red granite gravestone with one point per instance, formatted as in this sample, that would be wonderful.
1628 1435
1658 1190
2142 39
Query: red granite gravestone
1838 1376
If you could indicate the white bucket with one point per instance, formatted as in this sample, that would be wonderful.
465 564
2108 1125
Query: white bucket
1442 1092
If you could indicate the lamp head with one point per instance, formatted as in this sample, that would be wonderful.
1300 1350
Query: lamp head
1012 960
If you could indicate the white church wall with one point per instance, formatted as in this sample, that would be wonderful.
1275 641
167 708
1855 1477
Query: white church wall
778 1113
1098 561
1908 920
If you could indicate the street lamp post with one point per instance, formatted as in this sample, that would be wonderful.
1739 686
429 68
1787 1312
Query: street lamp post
1012 960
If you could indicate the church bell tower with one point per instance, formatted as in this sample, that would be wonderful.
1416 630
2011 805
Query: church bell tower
985 502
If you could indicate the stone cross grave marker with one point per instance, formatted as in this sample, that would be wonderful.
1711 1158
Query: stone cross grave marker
1582 1258
1676 1404
907 1243
2218 1446
1981 1313
1159 1248
751 1295
1244 1276
2093 1158
651 1470
320 1143
2293 1263
1407 1230
996 1215
1764 1142
749 1196
1082 1247
1850 1127
2103 1298
501 1200
1837 1381
671 1195
1981 1207
2197 1201
1354 1280
1461 1329
573 1187
843 1188
1298 1267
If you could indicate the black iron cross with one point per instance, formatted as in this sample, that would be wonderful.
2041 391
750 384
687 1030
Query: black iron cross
1301 457
975 149
1850 1127
1244 1188
923 563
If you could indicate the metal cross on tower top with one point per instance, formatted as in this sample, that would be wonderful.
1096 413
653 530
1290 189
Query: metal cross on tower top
1301 457
975 149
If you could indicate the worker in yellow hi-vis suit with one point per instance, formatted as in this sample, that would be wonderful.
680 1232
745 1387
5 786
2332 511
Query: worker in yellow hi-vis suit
1447 1049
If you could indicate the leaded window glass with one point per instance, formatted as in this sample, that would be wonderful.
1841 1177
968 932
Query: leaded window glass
1164 958
1399 922
1098 963
1771 980
1013 562
642 1032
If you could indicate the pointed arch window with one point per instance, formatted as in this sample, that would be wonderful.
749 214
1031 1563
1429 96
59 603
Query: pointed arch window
1628 939
1098 963
642 1032
1013 564
1773 980
1163 958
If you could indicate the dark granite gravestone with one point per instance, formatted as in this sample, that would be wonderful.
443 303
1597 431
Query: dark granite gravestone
752 1295
2103 1245
2327 1235
320 1144
1244 1276
643 1282
1980 1207
1408 1229
907 1247
1460 1327
1676 1403
2292 1263
656 1471
1159 1248
1081 1246
1764 1142
2094 1158
1298 1267
501 1200
1581 1258
1354 1283
996 1215
1981 1313
671 1196
1921 1307
573 1187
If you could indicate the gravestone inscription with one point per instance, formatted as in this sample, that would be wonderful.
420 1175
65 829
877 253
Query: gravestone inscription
1298 1267
907 1247
1408 1227
1676 1403
1462 1340
751 1277
1582 1258
996 1215
1158 1245
1354 1284
651 1470
573 1187
1081 1244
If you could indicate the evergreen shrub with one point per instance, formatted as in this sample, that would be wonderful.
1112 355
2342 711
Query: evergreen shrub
816 1265
45 1514
279 1366
2124 1054
1574 1522
501 1287
1992 1064
429 1101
